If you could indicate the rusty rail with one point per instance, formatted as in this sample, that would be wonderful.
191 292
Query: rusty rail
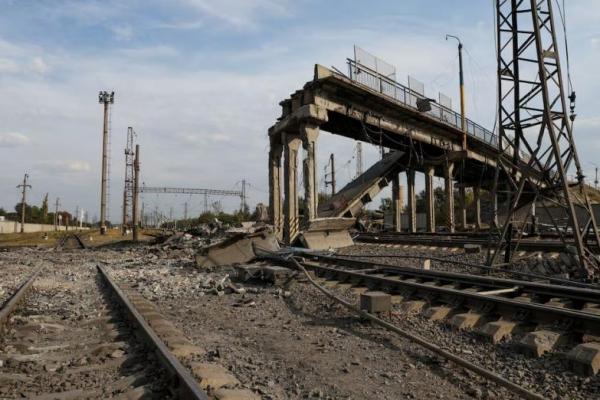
11 305
186 385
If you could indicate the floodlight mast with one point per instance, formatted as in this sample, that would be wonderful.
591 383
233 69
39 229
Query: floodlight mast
106 99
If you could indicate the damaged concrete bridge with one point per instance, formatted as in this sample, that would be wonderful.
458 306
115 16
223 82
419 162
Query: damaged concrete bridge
422 136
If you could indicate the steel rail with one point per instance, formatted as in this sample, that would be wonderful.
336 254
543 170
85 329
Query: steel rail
454 241
11 305
187 385
574 290
79 241
539 312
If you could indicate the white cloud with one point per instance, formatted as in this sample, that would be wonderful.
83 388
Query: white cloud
123 33
8 66
13 139
241 13
39 66
61 167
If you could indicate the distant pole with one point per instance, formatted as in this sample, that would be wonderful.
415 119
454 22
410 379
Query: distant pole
80 216
136 191
332 181
462 90
56 205
185 210
596 180
104 98
24 185
243 206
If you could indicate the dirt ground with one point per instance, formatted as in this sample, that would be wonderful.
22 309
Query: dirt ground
292 342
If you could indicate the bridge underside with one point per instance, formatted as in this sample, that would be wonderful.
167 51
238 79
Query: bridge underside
334 103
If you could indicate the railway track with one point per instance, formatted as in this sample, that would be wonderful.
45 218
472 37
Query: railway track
70 241
82 337
543 244
537 318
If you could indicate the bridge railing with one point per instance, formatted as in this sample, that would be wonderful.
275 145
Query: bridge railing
389 87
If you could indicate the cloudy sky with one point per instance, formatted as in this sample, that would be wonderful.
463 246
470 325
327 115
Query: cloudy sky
200 82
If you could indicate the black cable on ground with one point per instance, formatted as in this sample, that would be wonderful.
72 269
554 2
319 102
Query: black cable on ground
486 373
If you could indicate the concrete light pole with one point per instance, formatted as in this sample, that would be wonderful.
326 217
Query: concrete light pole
56 222
24 185
106 99
136 191
463 126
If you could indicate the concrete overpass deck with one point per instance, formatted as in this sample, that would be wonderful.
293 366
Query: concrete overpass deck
369 107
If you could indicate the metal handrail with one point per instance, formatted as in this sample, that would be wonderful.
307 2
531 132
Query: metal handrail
388 87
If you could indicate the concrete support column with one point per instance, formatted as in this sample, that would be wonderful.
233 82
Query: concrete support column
412 201
477 201
397 200
463 207
309 134
429 199
449 189
275 209
290 185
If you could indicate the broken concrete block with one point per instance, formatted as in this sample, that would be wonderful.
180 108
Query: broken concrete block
244 273
375 302
585 358
276 275
540 342
236 250
327 233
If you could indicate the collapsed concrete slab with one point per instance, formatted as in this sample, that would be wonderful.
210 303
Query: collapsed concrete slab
362 190
327 233
236 249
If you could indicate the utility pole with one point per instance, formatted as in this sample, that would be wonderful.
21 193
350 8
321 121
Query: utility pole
332 181
136 191
45 209
243 196
106 99
56 205
185 210
463 125
24 185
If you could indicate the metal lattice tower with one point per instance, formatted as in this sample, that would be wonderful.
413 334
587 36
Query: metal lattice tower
535 130
129 181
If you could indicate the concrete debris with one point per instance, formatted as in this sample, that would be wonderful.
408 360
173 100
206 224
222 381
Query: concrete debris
236 249
270 273
327 233
221 286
